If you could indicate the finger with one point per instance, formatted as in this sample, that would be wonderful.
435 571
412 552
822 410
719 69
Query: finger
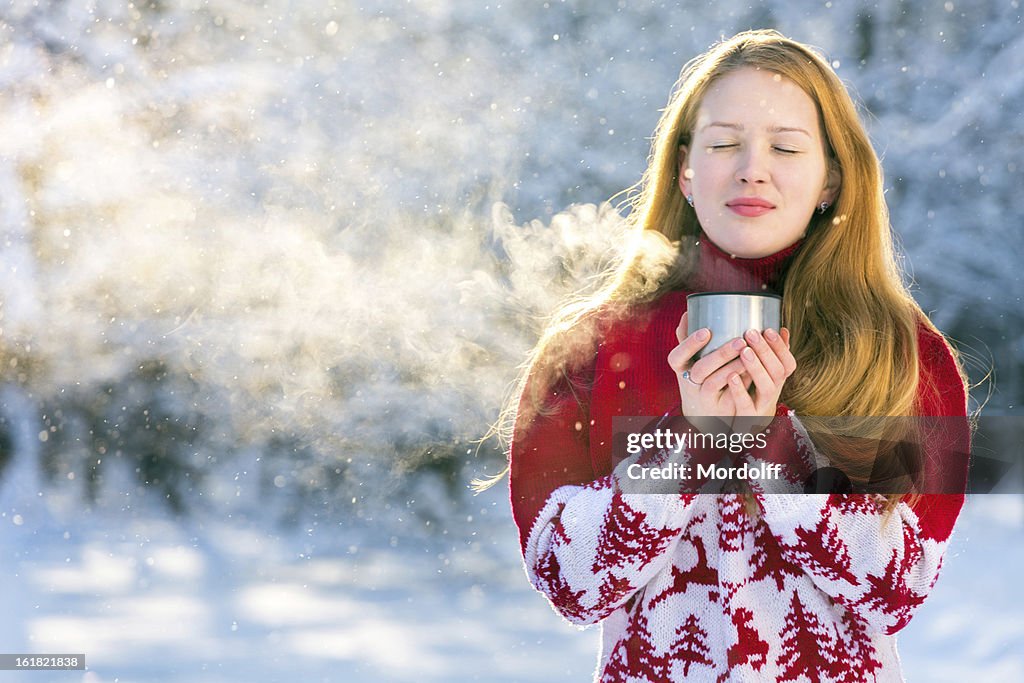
741 399
765 384
780 344
681 329
679 359
767 355
691 344
703 368
719 379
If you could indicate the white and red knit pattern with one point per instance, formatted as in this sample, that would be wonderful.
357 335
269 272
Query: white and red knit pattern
691 587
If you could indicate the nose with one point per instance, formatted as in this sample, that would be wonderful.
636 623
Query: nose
753 167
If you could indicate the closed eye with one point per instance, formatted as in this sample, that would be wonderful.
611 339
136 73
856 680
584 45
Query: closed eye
786 150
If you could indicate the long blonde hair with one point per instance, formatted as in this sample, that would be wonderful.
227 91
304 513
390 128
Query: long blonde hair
856 350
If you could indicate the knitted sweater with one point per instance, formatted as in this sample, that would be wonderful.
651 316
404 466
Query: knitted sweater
689 587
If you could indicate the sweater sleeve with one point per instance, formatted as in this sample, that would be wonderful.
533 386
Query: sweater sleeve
881 566
587 545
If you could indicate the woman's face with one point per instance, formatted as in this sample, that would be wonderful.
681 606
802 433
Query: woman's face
756 165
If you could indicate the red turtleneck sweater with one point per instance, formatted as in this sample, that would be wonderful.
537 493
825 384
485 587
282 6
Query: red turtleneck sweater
688 586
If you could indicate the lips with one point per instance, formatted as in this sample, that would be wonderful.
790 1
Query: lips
750 206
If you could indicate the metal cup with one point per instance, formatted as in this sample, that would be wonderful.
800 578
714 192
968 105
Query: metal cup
730 314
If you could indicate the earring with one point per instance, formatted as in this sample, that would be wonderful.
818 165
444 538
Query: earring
689 199
823 207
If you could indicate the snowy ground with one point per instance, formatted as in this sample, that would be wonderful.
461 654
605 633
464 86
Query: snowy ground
149 599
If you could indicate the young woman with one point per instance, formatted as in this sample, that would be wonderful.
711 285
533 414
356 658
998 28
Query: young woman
761 178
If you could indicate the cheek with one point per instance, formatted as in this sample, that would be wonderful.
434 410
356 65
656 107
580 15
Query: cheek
805 193
812 190
707 174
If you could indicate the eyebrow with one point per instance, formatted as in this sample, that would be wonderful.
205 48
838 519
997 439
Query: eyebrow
772 129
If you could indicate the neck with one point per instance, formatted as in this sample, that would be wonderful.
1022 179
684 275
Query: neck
719 271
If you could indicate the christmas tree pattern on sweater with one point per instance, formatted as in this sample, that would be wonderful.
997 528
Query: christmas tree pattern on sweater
809 589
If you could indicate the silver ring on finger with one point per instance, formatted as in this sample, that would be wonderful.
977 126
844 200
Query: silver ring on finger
686 376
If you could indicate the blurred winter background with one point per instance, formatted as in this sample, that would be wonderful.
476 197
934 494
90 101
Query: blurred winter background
267 270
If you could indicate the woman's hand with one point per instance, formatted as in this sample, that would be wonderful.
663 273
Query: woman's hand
703 384
742 378
769 363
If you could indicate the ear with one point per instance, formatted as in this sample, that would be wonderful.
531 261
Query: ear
833 182
684 182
